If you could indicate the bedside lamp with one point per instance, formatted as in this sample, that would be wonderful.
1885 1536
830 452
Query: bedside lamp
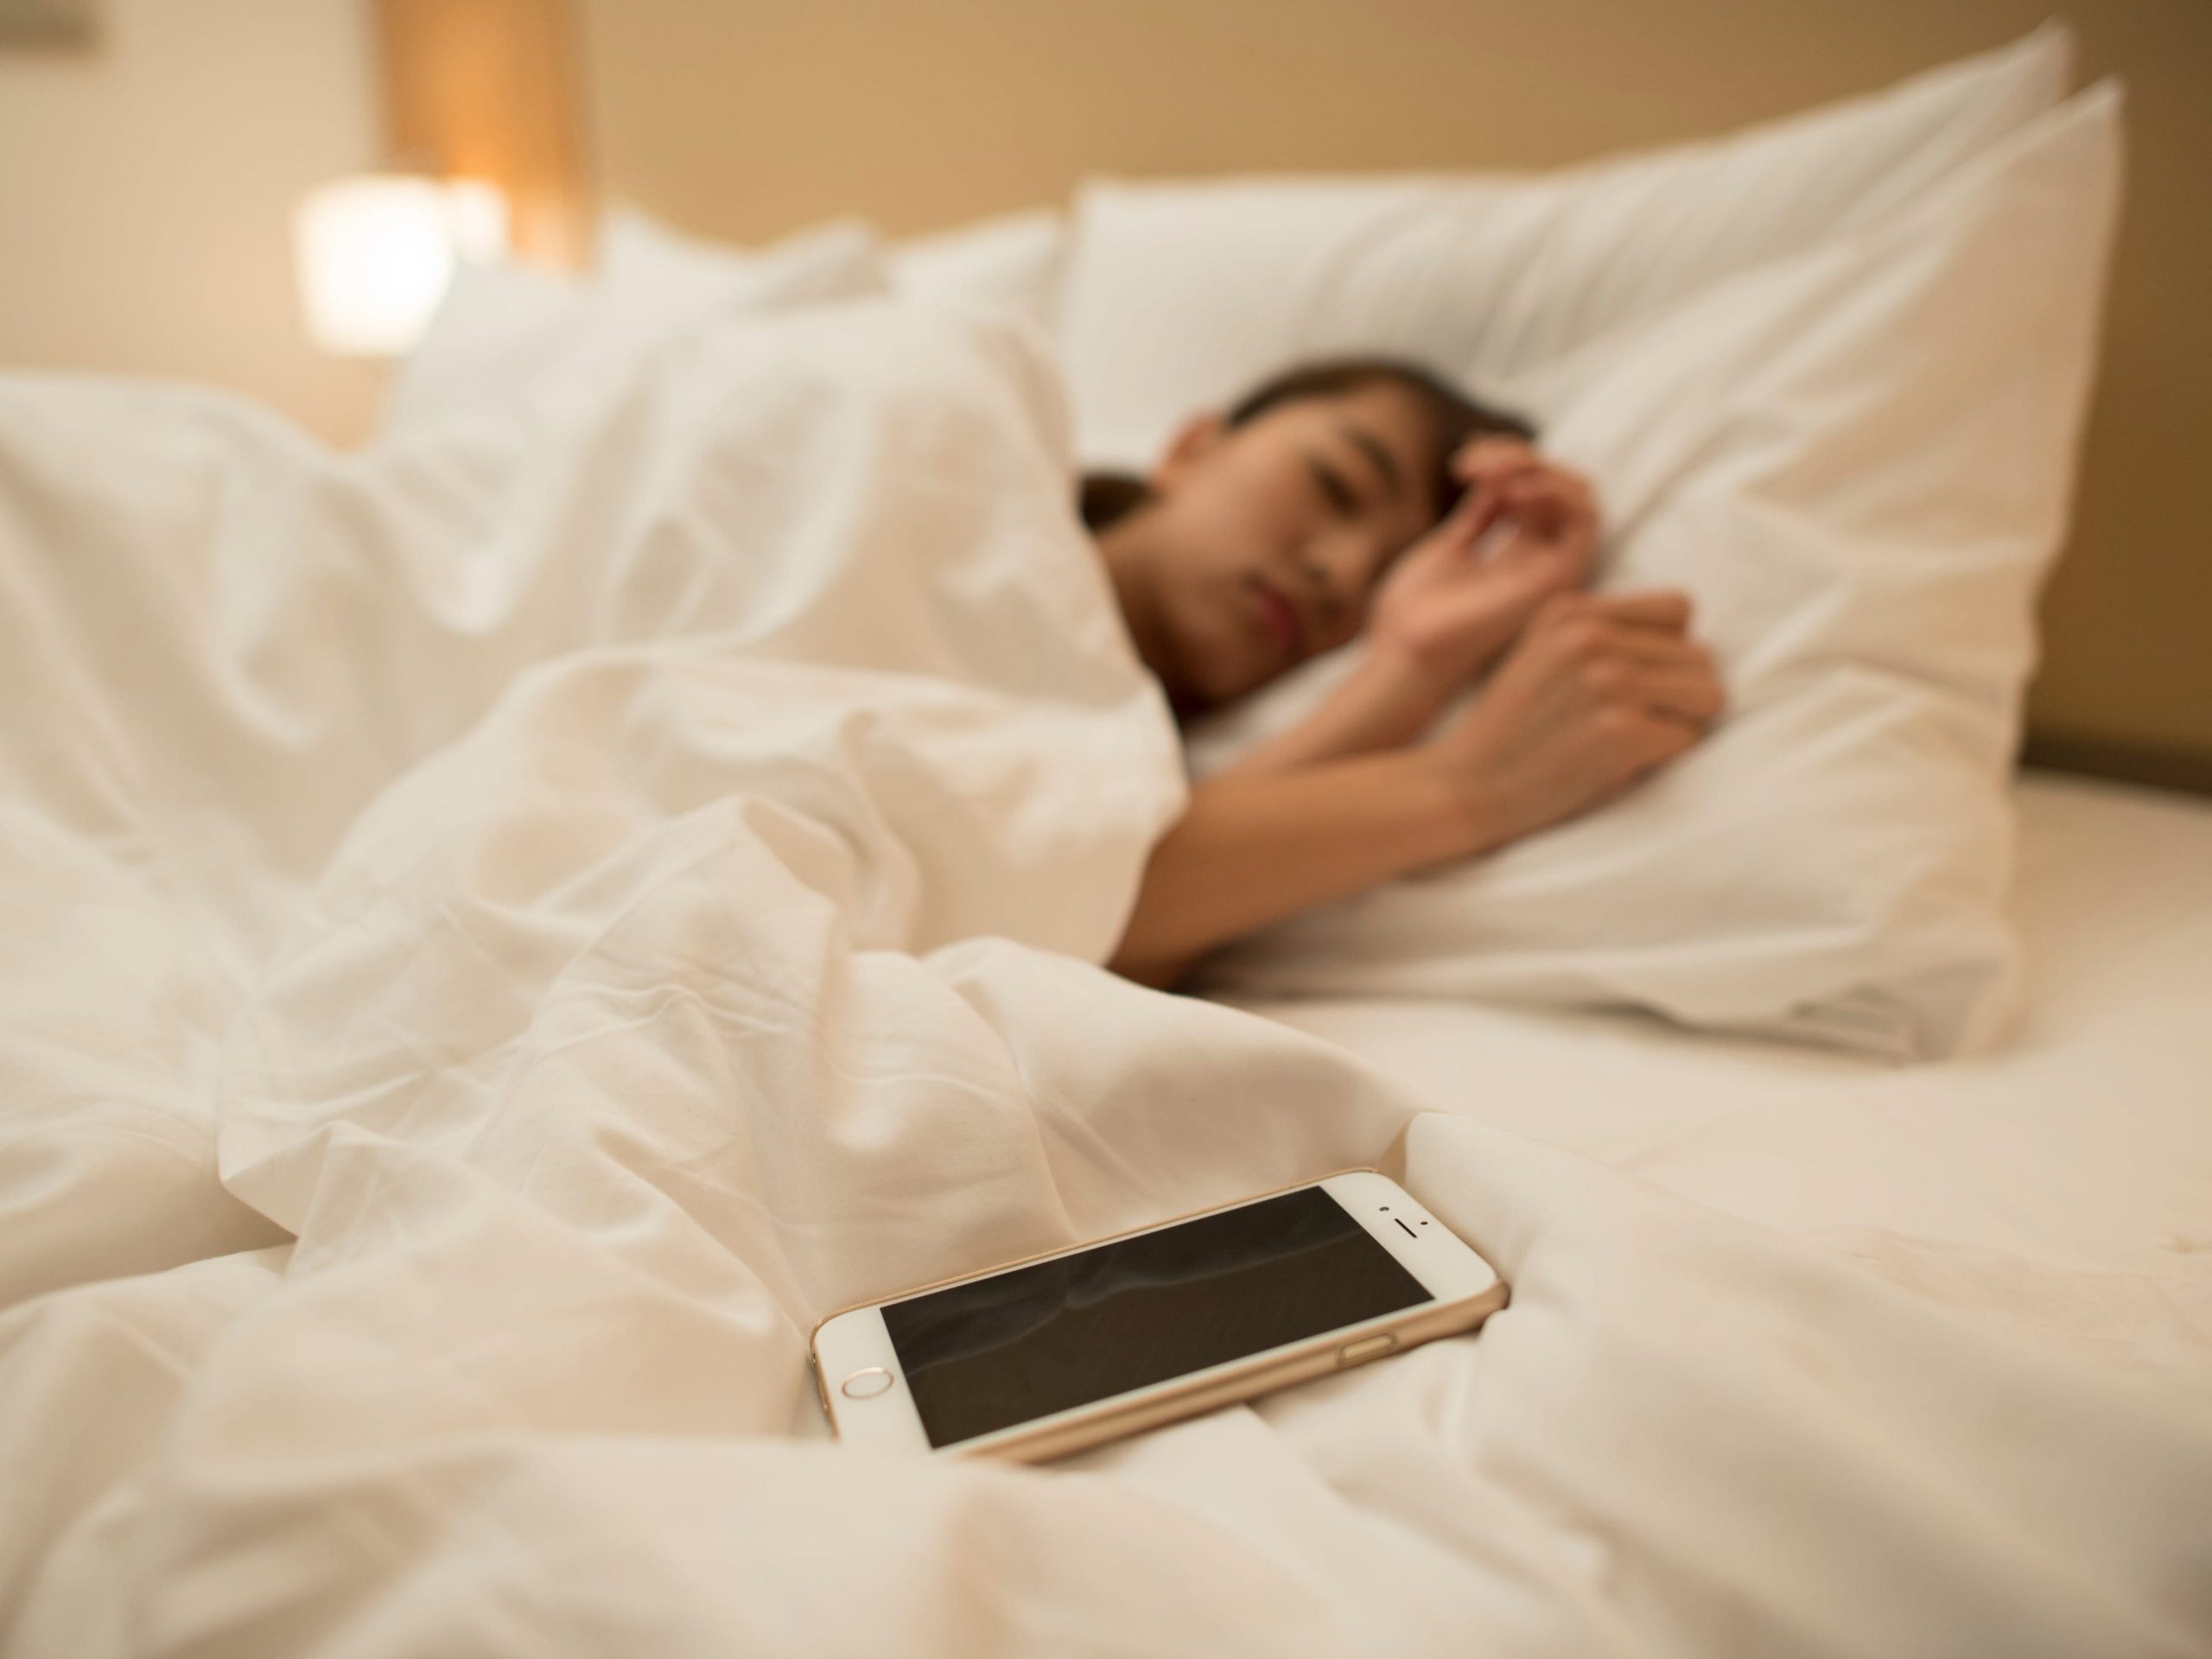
376 253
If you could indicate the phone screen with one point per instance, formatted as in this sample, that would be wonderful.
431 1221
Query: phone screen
1133 1311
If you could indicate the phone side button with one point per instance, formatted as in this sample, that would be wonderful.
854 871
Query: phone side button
866 1384
1366 1348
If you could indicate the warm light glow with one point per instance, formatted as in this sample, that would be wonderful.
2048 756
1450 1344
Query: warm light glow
376 254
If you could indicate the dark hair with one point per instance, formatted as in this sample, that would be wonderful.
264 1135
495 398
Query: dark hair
1108 496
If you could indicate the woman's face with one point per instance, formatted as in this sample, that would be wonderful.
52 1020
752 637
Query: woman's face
1263 542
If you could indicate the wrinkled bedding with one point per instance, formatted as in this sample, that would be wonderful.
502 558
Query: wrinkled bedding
506 931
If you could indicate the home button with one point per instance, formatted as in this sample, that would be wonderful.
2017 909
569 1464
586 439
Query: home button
866 1384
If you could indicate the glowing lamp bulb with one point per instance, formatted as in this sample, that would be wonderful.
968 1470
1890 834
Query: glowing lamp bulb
377 253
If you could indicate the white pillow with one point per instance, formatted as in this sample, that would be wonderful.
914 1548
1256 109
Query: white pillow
1011 263
1180 295
837 258
1859 459
506 335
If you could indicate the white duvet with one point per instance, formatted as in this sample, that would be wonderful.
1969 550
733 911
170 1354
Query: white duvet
504 933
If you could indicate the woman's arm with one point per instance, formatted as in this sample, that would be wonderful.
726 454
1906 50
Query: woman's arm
1598 692
1256 847
1387 701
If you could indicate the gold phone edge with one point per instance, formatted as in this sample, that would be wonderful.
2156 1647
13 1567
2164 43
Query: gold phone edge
1251 1379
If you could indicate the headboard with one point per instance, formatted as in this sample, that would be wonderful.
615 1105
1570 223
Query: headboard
744 120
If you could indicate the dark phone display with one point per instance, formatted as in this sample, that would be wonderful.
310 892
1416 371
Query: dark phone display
998 1351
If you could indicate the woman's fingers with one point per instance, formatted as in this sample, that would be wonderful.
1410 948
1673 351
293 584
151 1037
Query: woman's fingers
1562 495
1553 506
1547 514
1540 478
1506 477
1662 648
1633 649
1493 452
1475 512
1482 505
1687 693
1653 607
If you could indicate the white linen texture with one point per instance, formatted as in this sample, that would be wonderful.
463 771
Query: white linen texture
1829 377
508 930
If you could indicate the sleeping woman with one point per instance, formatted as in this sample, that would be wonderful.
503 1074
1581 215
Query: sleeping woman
1353 499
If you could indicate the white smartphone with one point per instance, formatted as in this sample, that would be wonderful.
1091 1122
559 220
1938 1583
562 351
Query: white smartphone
1048 1356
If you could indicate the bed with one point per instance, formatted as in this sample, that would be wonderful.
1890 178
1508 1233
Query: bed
2057 1188
510 927
460 1043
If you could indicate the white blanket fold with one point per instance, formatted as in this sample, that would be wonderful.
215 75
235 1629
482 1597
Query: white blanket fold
508 932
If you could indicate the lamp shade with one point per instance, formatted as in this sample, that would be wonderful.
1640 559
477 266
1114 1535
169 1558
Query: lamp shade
375 255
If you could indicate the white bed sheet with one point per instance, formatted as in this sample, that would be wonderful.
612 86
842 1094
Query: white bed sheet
2061 1187
507 931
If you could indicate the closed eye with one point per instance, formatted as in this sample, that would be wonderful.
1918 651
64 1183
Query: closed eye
1342 497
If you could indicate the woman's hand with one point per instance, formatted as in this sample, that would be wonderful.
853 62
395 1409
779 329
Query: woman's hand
1452 602
1600 691
1597 692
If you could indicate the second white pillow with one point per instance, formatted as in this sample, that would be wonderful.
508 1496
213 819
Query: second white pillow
1859 460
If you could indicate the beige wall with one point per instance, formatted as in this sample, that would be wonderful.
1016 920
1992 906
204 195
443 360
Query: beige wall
146 192
745 118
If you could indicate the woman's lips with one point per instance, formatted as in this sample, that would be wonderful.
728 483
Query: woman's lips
1280 617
